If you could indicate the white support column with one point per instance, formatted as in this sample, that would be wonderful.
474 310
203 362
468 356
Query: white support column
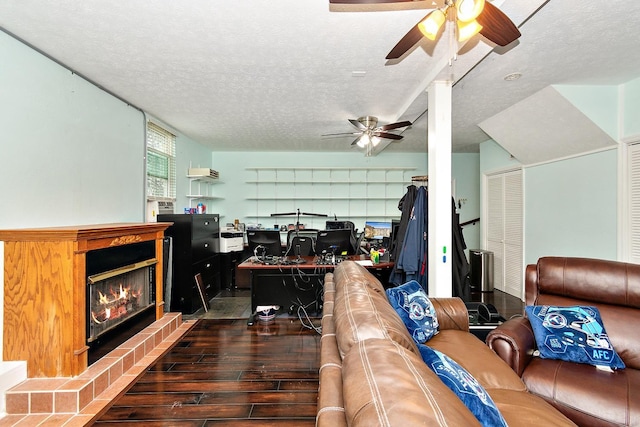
439 148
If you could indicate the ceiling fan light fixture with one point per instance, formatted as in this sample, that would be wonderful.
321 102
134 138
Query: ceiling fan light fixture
432 24
466 30
375 141
364 141
469 10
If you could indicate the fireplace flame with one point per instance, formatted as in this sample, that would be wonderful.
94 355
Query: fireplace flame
116 303
102 298
117 295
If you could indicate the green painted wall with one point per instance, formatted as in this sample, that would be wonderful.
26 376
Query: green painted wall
571 208
631 113
70 153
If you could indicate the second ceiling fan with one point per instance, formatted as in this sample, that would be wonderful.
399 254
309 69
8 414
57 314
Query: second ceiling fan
368 132
470 16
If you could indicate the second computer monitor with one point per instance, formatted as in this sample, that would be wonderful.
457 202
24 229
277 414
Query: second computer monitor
269 239
377 230
336 242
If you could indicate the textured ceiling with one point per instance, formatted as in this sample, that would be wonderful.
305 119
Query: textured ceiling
277 75
555 129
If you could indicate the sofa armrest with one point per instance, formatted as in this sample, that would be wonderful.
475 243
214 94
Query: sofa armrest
514 342
452 313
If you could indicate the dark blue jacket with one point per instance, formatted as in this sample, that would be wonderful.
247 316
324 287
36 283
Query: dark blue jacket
413 256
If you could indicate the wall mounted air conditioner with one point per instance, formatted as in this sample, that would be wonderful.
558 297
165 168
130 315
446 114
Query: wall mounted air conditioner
202 173
156 207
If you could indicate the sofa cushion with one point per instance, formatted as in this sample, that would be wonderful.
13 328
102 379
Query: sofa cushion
575 334
587 395
416 311
362 310
464 385
481 362
384 384
521 408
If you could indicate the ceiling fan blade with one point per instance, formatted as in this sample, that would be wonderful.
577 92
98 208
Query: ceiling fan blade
366 1
387 135
496 26
341 134
411 38
357 124
356 140
395 125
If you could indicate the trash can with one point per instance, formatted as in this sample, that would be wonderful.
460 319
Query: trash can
481 270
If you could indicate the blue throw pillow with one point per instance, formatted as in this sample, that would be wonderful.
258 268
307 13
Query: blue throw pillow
416 311
464 385
575 334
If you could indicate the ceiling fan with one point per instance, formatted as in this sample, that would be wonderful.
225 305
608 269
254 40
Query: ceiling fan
369 133
470 16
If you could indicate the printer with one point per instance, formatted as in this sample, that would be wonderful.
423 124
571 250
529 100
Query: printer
231 240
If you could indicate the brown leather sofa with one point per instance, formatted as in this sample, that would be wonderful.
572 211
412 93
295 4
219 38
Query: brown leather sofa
588 396
371 372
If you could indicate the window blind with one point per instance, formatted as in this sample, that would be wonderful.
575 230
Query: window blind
161 162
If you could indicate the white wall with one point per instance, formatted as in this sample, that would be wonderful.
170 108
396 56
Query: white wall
233 187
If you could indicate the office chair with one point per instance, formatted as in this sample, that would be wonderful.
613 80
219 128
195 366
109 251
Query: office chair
357 250
307 232
301 246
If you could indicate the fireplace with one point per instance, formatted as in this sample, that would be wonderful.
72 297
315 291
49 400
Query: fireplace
48 297
120 294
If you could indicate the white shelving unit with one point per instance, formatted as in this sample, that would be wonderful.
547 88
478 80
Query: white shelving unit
200 188
355 194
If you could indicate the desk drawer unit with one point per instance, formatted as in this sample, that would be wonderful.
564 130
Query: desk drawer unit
194 241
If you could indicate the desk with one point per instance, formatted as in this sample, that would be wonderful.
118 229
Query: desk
295 285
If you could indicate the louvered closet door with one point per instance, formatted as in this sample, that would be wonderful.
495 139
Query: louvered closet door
633 159
504 230
495 226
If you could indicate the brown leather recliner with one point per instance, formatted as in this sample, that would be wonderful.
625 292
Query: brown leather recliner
585 394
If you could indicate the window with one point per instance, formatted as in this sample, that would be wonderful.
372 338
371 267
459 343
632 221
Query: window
161 163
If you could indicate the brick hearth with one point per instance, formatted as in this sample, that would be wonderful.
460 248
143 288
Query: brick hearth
76 401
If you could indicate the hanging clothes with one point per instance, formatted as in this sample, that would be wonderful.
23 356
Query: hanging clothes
405 205
411 245
411 264
460 265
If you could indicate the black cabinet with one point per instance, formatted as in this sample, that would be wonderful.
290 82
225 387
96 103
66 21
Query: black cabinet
193 242
228 263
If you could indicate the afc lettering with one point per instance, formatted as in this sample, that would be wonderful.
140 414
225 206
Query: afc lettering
600 354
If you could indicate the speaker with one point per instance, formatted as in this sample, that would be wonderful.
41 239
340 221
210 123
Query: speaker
488 313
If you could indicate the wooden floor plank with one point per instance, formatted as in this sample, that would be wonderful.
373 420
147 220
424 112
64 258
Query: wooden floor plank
224 372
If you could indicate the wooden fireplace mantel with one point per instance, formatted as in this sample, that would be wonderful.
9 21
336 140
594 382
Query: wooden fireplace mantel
45 291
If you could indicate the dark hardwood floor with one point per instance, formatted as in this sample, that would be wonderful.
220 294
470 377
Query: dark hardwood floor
224 372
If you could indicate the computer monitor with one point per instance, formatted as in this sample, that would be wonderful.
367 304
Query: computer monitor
269 239
393 239
337 225
377 230
334 242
